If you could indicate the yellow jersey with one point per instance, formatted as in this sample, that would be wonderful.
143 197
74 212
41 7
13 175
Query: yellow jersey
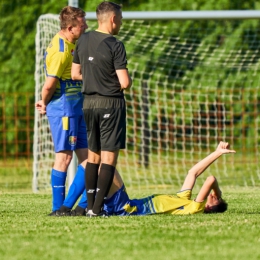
67 99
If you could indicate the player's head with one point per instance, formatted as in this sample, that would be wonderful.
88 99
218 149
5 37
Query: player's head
73 20
110 12
215 205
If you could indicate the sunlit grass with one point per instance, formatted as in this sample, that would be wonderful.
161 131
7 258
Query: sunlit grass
27 232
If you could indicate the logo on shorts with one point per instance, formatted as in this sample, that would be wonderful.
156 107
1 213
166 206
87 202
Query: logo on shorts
106 116
72 140
90 58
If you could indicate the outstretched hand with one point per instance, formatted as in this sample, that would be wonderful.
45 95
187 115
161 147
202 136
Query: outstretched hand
223 147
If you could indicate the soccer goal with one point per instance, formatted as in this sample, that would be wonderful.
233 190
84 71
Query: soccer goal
196 81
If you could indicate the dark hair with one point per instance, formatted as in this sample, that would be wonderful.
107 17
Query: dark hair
220 208
106 7
69 16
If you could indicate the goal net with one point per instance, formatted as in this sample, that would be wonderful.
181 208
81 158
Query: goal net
195 82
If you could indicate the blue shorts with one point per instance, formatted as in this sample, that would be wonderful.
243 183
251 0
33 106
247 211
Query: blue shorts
120 205
68 133
115 204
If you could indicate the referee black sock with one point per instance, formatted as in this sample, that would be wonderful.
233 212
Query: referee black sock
105 179
91 177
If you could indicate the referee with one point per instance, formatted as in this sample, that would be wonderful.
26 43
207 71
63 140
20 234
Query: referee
100 61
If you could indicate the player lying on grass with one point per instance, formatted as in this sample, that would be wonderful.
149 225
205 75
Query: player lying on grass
208 199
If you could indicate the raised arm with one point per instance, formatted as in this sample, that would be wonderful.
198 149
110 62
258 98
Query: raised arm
200 167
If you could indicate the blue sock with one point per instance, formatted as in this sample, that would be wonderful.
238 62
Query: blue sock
76 188
58 180
83 203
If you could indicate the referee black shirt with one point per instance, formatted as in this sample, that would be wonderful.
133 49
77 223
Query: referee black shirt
100 55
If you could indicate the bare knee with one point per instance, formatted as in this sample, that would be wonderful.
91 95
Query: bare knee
94 157
62 160
110 158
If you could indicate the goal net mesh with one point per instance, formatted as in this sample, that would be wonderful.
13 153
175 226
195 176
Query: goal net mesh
195 83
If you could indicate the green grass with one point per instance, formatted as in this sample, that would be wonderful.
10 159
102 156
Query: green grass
27 233
16 175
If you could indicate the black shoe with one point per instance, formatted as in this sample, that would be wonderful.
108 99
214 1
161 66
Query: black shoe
62 212
78 211
91 214
52 214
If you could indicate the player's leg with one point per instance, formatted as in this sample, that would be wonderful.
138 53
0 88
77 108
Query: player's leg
58 178
81 149
105 178
64 135
91 177
79 133
63 157
112 138
93 135
76 188
83 204
80 209
78 185
117 184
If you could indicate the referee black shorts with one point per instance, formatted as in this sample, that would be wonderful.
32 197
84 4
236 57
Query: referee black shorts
105 118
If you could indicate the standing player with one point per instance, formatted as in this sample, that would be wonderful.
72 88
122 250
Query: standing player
100 60
62 101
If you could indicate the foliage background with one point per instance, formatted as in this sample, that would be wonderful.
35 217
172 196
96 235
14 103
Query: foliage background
17 66
18 21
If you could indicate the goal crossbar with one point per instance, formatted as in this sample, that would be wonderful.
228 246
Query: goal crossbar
185 15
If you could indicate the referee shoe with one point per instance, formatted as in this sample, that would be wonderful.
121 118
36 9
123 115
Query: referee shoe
91 214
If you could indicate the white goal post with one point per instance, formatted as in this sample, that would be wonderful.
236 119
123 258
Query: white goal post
196 81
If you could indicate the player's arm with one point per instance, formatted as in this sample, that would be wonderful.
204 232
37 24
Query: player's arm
48 90
215 189
76 71
210 184
201 166
124 78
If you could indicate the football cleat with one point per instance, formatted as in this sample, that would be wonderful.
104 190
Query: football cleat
52 214
62 212
78 211
91 214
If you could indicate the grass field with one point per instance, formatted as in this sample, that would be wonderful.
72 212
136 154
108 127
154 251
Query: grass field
27 232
